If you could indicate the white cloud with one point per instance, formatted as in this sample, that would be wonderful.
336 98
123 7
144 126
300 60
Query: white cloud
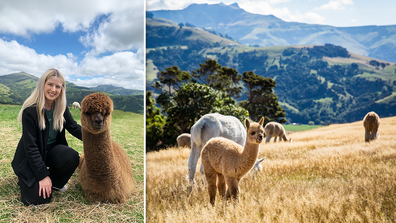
122 31
336 5
125 69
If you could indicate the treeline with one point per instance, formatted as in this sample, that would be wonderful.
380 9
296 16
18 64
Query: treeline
312 89
186 96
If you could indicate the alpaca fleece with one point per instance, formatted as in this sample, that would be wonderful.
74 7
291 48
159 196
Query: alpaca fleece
226 162
274 129
371 123
184 140
105 169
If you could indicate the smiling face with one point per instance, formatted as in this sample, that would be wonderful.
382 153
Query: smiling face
52 90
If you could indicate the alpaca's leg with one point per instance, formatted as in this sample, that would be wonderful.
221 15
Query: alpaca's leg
367 136
374 134
202 173
192 162
232 188
211 178
275 138
268 138
221 185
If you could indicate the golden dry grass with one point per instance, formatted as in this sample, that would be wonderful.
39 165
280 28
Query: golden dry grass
328 174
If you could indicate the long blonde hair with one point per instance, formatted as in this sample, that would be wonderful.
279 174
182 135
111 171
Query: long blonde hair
38 98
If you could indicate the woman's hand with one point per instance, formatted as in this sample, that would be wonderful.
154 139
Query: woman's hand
45 187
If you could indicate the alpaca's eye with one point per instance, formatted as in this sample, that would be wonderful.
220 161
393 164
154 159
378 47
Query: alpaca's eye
253 133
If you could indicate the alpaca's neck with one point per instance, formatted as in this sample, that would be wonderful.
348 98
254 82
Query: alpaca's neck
285 138
98 152
249 155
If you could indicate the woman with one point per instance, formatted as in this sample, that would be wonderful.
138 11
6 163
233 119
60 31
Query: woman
43 161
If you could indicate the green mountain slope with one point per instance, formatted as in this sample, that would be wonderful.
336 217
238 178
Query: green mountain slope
267 30
16 87
323 83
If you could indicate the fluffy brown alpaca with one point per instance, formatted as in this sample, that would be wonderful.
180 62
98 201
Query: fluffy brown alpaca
274 129
371 123
226 162
105 170
184 140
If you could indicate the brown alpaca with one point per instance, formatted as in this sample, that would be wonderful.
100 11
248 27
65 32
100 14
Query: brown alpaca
371 123
226 162
184 140
105 170
274 129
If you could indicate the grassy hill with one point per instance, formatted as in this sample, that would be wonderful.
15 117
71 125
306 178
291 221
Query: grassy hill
16 87
319 83
328 174
71 206
266 30
160 32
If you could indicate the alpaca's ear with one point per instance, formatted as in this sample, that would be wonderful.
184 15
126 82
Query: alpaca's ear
260 160
261 121
247 123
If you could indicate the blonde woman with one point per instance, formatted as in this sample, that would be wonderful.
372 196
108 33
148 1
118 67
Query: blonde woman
43 161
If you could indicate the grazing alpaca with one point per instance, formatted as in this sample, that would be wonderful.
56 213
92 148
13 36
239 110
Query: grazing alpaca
184 140
226 162
76 105
207 127
105 169
274 129
371 123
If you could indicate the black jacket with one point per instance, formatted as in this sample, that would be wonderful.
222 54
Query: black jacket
30 155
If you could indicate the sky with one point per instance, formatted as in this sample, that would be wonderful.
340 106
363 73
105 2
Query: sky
338 13
91 42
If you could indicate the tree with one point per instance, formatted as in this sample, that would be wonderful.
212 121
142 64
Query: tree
261 101
181 25
219 78
172 78
154 123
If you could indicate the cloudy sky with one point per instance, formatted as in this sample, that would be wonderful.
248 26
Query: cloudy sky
339 13
91 42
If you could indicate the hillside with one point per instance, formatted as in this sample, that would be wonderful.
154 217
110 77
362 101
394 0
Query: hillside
329 84
16 87
328 174
266 30
160 32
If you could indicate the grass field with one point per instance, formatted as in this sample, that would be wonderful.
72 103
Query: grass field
71 206
327 174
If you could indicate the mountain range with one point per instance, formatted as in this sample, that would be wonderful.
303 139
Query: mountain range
267 30
16 87
322 83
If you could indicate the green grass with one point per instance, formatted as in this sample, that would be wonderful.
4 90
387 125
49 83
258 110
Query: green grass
300 127
127 129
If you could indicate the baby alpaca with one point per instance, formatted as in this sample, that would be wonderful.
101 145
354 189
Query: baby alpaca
226 162
371 123
274 129
184 140
105 169
210 126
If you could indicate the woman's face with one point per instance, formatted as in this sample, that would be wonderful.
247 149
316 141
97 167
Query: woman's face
52 89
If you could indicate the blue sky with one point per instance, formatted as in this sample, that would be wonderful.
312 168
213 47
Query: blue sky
339 13
91 42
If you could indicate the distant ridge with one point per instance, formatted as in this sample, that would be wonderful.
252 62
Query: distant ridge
378 42
16 87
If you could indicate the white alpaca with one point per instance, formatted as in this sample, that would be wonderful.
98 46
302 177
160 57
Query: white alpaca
226 162
184 140
371 123
76 105
207 127
274 129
